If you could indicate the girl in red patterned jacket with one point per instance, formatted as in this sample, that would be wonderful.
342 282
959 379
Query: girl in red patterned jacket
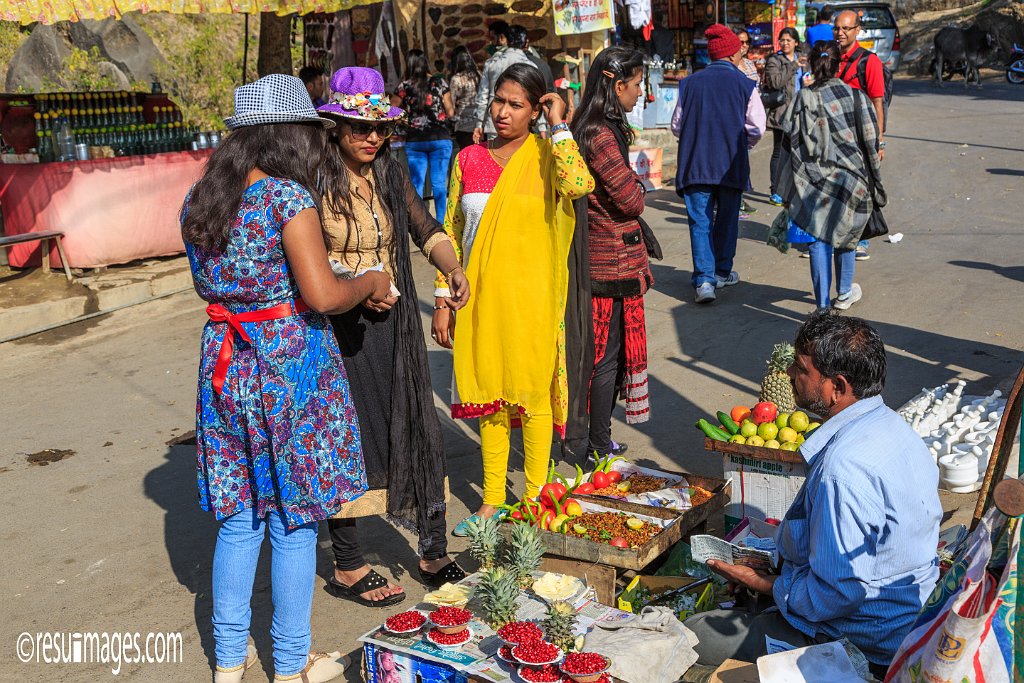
619 270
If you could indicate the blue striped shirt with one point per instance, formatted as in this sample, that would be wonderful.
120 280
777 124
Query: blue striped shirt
859 541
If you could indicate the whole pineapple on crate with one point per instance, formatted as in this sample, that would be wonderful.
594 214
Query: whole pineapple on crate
497 595
524 552
484 540
560 625
776 386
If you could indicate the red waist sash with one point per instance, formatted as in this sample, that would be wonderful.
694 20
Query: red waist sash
219 314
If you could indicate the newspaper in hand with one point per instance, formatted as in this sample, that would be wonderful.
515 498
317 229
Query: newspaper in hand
753 552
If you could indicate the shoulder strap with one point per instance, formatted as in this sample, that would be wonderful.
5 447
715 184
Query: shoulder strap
855 60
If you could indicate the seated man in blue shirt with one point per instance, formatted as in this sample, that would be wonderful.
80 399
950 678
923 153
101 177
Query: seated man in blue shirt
858 545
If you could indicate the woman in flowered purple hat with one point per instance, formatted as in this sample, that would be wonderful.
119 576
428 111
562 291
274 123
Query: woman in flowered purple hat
371 210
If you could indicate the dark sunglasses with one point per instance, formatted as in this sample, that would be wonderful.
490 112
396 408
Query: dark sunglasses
361 130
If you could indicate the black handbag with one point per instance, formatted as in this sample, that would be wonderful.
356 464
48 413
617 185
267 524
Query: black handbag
876 225
773 99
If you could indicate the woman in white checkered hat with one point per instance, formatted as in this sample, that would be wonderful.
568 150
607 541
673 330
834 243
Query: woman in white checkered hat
276 430
371 211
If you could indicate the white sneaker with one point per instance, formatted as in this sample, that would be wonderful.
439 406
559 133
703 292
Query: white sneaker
720 281
705 293
844 301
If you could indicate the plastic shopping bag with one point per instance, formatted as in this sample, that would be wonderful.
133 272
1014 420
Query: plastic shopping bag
965 632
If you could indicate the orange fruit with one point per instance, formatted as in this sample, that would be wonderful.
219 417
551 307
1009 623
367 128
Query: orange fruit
739 414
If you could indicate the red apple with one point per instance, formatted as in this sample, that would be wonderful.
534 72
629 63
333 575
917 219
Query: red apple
764 412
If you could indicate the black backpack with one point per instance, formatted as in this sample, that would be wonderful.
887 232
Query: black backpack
862 56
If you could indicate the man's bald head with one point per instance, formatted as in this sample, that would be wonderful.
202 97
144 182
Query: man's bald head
846 28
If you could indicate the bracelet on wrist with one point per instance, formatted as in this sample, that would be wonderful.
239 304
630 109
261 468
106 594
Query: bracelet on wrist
440 308
450 272
559 127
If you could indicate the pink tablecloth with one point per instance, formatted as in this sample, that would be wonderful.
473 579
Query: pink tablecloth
110 210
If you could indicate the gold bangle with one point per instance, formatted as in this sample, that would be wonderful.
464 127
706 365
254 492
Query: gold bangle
449 275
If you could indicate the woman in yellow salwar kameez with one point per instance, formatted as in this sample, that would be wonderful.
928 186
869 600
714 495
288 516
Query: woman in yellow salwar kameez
511 217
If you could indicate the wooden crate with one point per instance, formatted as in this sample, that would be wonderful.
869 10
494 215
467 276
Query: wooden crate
635 558
757 452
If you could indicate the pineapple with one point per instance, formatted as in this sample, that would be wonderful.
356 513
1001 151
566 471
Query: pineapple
483 541
497 594
560 625
524 553
776 386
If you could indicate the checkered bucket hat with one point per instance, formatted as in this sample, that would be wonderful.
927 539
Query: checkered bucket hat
357 92
276 98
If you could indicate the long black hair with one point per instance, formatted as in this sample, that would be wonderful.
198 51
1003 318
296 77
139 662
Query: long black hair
825 56
462 62
281 150
600 106
389 178
417 69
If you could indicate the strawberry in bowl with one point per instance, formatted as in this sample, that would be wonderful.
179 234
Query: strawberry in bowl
519 632
537 654
540 674
406 622
450 620
585 667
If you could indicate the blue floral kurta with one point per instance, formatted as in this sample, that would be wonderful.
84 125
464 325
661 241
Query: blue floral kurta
283 435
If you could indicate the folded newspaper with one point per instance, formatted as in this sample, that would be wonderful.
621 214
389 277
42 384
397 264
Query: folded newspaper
749 551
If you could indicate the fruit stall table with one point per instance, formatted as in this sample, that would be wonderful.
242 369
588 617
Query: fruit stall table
110 210
391 658
599 563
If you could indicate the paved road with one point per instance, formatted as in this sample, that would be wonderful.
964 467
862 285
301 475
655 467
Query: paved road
110 537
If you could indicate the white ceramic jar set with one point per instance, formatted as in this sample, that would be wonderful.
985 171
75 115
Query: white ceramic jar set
959 431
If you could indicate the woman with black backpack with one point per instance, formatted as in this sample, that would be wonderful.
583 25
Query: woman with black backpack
777 91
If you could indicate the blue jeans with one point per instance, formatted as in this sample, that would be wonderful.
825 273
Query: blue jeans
292 567
712 233
436 154
822 257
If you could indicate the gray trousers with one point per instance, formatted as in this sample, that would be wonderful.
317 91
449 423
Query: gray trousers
738 634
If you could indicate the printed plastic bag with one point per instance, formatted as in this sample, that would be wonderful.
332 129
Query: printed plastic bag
777 232
965 632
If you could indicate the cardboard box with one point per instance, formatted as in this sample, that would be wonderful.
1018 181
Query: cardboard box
381 665
764 480
733 671
660 584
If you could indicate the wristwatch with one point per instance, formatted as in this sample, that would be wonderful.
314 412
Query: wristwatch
881 144
559 127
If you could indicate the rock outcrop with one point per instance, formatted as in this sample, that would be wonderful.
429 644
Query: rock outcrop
127 53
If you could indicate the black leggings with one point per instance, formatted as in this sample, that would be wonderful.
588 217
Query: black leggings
602 384
775 168
345 542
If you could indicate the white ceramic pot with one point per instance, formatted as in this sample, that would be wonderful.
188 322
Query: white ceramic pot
960 470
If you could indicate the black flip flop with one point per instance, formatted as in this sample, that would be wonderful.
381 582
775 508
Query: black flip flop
372 581
450 573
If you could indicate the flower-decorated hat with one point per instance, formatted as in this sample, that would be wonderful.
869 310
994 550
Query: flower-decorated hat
357 92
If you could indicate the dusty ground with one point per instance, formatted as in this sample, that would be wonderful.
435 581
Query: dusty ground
109 537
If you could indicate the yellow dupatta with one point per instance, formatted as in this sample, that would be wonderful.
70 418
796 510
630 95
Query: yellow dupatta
510 339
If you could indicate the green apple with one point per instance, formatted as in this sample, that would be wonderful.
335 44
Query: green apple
737 438
789 446
748 429
787 434
772 443
799 421
767 430
782 421
755 440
